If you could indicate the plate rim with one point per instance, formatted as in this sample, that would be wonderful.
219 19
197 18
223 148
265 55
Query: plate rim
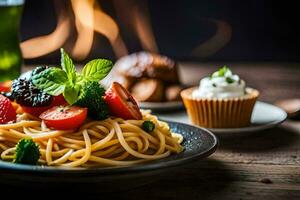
167 105
252 128
19 168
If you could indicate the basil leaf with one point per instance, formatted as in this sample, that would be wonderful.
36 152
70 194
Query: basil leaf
51 81
71 93
222 71
97 69
68 66
229 80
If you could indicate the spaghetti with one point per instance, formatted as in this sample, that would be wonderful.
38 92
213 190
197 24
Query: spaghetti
110 142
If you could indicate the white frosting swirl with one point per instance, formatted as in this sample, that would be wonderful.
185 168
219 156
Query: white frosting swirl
222 84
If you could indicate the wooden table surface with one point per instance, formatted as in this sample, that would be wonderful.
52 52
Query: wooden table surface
262 165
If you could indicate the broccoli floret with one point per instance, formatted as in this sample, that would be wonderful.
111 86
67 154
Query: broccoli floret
91 97
148 126
27 152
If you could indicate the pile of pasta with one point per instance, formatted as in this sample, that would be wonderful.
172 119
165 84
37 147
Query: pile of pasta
111 142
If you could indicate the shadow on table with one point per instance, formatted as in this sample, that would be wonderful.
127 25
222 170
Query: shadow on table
199 180
271 139
206 179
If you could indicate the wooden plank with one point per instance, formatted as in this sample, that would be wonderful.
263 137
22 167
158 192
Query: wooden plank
215 170
214 179
212 190
280 145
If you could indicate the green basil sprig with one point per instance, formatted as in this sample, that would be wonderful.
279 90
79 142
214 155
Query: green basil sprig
67 81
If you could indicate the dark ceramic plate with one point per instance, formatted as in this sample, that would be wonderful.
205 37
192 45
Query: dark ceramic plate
198 143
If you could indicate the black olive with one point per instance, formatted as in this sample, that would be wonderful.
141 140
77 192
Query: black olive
26 94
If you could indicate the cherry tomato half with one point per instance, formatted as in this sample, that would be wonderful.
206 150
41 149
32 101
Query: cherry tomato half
121 103
64 117
36 111
5 86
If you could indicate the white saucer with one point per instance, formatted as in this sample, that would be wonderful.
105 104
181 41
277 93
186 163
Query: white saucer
264 116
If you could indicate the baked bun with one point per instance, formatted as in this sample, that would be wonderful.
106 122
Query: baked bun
173 93
148 65
149 77
151 90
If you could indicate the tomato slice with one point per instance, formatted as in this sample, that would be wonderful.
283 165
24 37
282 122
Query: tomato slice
7 111
5 86
58 101
64 117
36 111
121 103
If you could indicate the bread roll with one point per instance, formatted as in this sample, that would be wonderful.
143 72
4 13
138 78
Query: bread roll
148 65
150 90
173 93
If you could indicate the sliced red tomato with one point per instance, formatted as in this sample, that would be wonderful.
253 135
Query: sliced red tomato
121 103
7 111
36 111
59 100
64 117
5 86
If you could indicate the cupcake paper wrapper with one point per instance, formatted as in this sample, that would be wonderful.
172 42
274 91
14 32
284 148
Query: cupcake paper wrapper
220 113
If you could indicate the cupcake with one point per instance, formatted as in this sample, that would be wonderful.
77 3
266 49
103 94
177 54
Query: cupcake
222 100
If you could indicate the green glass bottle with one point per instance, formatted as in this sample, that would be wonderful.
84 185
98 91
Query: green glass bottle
10 52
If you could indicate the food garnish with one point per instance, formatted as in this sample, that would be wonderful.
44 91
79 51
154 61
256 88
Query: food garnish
221 72
64 117
26 94
38 70
27 152
91 97
121 103
224 72
36 111
7 111
148 126
229 80
67 81
58 100
33 100
5 86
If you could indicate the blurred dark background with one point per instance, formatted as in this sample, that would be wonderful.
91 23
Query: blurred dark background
193 30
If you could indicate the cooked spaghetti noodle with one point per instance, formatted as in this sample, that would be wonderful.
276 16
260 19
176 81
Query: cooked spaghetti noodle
111 142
